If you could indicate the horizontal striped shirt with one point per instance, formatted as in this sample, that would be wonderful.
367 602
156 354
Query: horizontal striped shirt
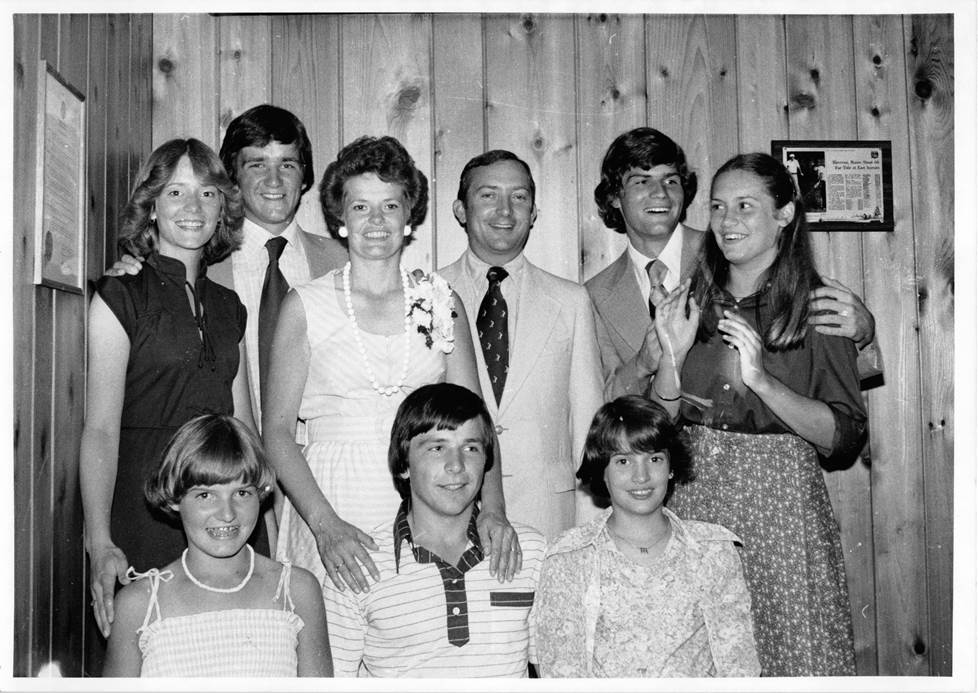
428 618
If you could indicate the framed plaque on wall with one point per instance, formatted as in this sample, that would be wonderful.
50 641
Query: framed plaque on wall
59 219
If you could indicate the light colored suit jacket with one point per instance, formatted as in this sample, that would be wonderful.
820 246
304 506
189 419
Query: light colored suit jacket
622 317
552 391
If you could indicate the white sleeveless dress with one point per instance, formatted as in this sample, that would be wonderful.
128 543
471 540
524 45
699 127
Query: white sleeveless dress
233 642
348 424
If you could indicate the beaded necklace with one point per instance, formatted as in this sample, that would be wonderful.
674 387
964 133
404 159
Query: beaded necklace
221 590
385 390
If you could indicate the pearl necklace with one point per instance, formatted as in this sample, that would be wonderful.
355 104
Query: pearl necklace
222 590
385 390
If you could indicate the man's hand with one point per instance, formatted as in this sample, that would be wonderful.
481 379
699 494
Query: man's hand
108 564
842 313
505 555
127 264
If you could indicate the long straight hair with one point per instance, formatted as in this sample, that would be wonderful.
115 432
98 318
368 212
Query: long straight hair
792 275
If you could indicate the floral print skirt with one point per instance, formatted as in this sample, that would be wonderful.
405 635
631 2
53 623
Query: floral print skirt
769 490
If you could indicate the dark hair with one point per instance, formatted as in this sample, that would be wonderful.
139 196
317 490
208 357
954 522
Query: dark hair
260 125
792 275
138 233
389 160
639 148
442 407
632 423
209 449
487 159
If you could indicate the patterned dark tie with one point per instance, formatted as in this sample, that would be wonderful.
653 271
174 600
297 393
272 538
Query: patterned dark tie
272 293
492 324
656 270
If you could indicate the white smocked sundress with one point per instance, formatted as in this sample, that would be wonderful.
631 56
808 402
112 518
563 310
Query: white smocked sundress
348 424
233 642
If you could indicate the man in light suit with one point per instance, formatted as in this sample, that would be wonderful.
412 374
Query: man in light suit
646 187
547 386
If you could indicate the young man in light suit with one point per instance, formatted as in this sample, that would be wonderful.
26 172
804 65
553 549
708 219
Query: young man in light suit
543 388
645 190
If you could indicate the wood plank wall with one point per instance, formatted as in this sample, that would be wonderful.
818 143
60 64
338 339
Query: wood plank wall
556 89
107 58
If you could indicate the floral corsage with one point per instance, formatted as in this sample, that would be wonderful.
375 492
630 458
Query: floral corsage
433 312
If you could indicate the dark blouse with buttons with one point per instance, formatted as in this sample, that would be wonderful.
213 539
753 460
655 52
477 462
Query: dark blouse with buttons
822 367
180 366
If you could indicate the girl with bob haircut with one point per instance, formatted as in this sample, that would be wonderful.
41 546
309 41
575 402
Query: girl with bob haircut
370 334
637 591
765 399
257 616
163 347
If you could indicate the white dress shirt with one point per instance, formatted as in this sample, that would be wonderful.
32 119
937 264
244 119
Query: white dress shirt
510 287
248 264
671 255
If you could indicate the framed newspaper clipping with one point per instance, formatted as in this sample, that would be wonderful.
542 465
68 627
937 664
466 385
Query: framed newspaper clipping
846 185
59 218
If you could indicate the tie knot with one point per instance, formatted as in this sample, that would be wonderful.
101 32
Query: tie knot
275 246
496 275
656 270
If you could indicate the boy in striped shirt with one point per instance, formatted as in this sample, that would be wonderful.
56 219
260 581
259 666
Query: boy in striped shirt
436 611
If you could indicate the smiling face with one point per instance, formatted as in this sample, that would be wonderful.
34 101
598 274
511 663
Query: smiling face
498 211
446 468
270 179
651 203
637 481
186 212
745 222
219 518
375 214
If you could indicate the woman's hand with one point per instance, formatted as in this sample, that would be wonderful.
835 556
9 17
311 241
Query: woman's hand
676 331
505 554
108 564
341 546
740 335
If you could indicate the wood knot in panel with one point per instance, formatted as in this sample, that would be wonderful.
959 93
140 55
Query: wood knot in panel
803 99
923 88
528 23
165 65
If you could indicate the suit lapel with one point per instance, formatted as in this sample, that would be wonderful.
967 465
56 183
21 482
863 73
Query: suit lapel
625 310
537 316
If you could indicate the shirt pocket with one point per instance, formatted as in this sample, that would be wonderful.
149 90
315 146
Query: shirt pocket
513 599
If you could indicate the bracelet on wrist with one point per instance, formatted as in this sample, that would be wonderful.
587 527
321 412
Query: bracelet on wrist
665 399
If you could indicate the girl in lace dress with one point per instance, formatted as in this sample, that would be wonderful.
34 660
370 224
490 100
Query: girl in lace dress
220 610
637 591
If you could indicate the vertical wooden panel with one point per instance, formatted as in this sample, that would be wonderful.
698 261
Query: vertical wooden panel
890 286
140 92
459 121
386 90
306 80
692 86
610 59
930 76
117 130
185 96
67 570
530 102
762 96
244 65
96 111
26 54
821 106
